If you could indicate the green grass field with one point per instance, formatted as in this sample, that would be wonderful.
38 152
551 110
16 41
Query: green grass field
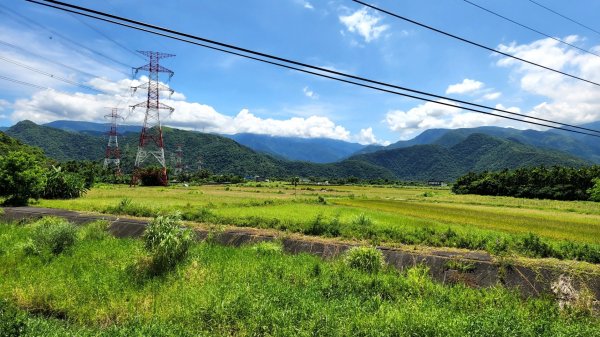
97 288
393 215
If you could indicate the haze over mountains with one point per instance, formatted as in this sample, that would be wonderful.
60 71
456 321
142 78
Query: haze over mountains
436 154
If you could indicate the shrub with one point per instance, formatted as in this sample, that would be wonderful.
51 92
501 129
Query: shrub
21 177
151 176
532 245
268 248
167 242
63 185
320 227
51 236
12 322
362 220
595 191
367 259
96 230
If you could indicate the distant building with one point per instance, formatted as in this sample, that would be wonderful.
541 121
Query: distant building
436 183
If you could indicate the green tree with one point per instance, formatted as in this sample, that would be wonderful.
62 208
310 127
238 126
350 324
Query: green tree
22 176
595 191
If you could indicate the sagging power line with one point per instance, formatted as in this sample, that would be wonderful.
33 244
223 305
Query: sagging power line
303 67
32 23
476 44
565 17
532 29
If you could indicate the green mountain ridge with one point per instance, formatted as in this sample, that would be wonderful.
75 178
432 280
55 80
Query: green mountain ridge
477 152
218 154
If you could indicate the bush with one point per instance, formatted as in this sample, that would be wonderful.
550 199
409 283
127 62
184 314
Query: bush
367 259
595 191
268 248
151 176
97 230
51 236
21 177
533 246
12 322
63 185
167 242
362 220
320 227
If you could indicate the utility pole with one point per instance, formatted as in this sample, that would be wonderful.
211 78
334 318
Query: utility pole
151 138
112 154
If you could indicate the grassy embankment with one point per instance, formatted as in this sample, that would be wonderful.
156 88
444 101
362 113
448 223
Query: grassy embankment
424 216
99 287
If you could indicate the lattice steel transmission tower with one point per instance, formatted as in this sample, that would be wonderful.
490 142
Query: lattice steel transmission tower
112 156
151 138
178 160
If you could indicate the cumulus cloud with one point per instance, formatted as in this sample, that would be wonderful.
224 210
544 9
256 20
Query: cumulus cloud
49 105
492 96
564 99
465 87
367 137
433 115
365 24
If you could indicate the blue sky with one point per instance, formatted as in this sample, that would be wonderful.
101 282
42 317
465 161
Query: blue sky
221 93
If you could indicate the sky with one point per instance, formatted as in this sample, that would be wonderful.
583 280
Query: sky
225 94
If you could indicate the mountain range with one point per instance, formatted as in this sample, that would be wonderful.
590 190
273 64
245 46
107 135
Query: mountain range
434 155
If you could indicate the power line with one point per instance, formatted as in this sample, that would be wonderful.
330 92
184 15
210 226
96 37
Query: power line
24 83
42 72
532 29
565 17
49 60
159 31
473 43
106 36
32 23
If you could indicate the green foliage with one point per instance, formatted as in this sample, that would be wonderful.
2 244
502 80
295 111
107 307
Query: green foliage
320 226
63 185
128 207
366 259
558 183
51 236
268 248
21 177
226 291
13 323
167 242
595 190
97 230
362 220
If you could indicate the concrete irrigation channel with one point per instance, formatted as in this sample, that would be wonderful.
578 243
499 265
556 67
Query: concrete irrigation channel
476 269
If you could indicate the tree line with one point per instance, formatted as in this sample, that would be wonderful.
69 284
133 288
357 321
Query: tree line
557 182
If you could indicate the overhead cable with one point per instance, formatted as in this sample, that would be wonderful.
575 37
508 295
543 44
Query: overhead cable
259 56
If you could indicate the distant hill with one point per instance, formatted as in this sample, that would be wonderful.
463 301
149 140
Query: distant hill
586 147
3 128
451 155
219 154
316 150
8 144
477 152
91 127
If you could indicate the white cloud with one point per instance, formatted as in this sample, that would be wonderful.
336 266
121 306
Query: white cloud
563 99
304 3
466 86
492 96
367 137
432 115
49 105
364 24
309 93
